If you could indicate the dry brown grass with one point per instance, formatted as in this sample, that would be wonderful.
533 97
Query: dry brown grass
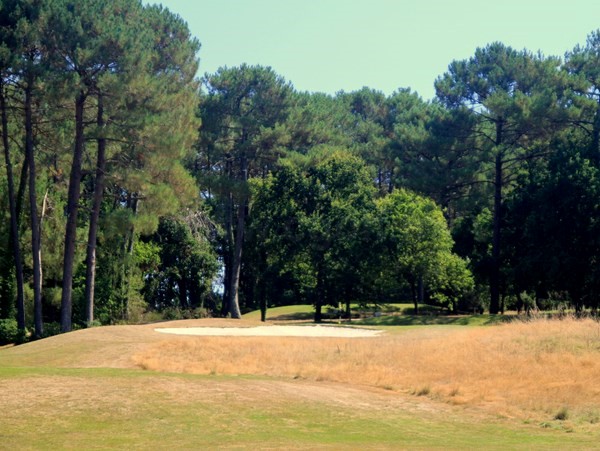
533 370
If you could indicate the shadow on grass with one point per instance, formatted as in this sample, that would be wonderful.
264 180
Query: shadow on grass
429 316
299 316
428 320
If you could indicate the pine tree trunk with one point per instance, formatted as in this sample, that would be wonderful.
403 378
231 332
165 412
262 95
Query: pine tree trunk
234 305
21 191
133 203
35 229
262 300
413 290
66 304
497 221
227 255
595 143
495 275
14 224
90 261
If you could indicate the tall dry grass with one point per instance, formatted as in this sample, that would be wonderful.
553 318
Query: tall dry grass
541 369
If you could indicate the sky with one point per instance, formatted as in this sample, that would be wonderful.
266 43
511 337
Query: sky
332 45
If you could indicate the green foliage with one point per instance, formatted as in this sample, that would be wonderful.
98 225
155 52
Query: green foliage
418 246
324 239
9 331
317 120
453 283
506 157
517 101
243 135
553 229
178 267
175 313
315 218
242 115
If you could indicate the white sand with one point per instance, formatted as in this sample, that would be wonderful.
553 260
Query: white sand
274 331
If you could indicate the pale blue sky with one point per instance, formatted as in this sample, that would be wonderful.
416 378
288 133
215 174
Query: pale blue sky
330 45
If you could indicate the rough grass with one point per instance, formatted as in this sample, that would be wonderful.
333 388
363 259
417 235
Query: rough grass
528 370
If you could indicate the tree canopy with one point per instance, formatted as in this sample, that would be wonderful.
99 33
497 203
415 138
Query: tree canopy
133 188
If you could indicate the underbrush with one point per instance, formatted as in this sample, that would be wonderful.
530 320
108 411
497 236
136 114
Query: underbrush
9 332
171 314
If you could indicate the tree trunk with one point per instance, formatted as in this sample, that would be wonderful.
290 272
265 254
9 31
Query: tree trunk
259 288
318 311
227 255
421 292
66 304
520 303
595 144
90 261
133 203
14 224
234 306
263 308
21 191
319 296
415 298
183 293
35 229
497 225
495 271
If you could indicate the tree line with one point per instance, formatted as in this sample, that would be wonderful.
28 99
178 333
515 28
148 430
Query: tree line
133 188
98 105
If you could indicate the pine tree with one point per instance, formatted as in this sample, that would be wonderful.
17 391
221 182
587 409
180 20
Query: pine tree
516 99
242 114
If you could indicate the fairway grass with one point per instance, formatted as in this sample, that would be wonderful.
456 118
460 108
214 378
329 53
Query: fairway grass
124 409
86 390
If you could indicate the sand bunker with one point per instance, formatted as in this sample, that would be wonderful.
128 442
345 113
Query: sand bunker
274 331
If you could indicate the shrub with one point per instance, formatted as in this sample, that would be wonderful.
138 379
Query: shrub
423 391
51 329
562 414
174 313
475 302
9 331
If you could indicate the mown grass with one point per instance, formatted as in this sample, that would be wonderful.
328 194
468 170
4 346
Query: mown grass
82 390
285 313
388 315
430 320
98 409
